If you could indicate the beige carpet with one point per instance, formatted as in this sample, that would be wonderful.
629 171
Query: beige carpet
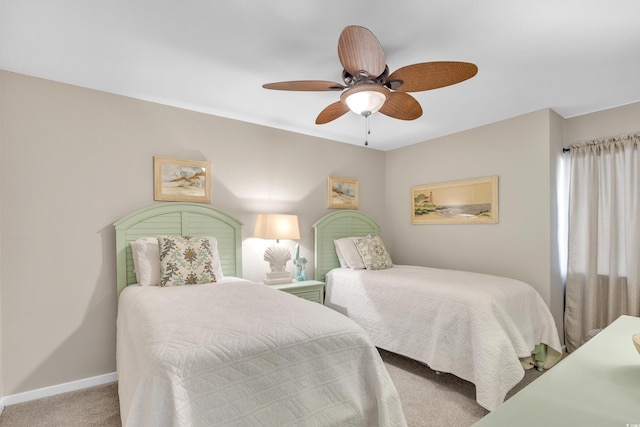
438 399
91 407
428 399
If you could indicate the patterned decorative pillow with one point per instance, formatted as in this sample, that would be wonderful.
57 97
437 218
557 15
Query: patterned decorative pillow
374 254
188 260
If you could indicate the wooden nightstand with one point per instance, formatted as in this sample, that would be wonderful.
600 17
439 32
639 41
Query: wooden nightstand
311 290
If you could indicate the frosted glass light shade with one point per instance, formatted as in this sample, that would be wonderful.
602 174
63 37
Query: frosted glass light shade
365 99
277 226
365 102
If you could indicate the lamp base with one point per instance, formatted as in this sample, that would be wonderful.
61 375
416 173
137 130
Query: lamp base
277 277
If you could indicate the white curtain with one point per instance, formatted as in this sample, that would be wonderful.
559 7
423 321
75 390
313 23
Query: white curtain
604 236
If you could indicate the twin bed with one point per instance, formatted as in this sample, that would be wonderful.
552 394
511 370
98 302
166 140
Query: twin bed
240 353
482 328
236 353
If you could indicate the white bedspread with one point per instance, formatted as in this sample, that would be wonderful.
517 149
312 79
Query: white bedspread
475 326
244 354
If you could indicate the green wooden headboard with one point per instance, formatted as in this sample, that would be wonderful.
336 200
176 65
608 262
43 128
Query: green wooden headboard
333 226
178 219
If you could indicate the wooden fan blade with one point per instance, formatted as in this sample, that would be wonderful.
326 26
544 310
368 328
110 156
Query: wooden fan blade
431 75
331 112
401 106
359 50
305 85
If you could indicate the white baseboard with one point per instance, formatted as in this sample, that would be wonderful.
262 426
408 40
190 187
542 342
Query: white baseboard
57 389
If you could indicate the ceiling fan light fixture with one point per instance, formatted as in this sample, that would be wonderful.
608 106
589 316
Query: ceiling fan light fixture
368 85
365 99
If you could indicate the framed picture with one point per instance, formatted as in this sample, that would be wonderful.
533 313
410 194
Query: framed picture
471 201
342 193
178 180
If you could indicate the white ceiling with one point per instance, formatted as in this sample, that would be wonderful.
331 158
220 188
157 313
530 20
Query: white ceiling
574 56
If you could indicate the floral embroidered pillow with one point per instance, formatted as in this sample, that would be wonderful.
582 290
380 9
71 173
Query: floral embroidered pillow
374 254
188 260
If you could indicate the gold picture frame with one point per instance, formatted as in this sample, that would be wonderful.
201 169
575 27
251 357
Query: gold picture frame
342 193
180 180
470 201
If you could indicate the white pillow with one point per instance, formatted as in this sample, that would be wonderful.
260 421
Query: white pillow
346 247
341 260
146 261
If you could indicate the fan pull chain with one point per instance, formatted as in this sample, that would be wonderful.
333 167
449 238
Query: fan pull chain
367 130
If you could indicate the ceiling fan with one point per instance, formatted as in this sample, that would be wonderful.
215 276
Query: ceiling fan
368 87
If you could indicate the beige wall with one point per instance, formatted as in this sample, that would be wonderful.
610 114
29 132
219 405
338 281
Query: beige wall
603 124
526 154
517 151
74 160
557 220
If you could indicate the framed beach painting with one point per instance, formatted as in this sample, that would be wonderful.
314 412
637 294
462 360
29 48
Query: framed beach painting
470 201
342 193
179 180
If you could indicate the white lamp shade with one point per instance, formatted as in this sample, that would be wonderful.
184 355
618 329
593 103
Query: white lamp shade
277 226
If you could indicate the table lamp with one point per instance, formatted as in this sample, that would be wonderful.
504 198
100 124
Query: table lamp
276 227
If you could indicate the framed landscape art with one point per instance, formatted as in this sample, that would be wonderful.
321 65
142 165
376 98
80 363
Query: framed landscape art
342 193
179 180
471 201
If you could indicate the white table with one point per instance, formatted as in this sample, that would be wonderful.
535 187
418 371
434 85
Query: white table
596 385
